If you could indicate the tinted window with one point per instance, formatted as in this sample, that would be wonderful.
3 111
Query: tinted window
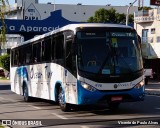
16 57
59 47
53 48
28 54
37 52
46 50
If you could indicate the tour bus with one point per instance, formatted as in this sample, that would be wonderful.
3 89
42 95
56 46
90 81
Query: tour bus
80 64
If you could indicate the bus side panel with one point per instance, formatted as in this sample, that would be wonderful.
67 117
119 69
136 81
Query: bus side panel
65 79
71 88
16 80
54 75
41 79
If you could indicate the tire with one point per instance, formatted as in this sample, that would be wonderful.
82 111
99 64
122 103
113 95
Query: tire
113 106
61 99
25 94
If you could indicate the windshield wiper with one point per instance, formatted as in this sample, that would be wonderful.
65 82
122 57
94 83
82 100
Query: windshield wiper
106 59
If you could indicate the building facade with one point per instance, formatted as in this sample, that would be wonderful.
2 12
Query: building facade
147 24
33 10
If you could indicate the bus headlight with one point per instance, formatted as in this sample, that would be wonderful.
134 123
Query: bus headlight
139 85
88 87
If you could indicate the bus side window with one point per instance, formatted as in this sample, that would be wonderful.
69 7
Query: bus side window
21 58
12 58
46 50
53 48
59 47
68 55
16 57
37 52
28 54
59 50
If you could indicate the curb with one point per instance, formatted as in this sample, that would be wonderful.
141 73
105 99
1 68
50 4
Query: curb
5 81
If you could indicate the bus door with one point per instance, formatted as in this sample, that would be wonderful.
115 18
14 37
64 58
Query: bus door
70 79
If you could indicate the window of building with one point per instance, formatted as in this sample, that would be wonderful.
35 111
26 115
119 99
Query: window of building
158 39
152 30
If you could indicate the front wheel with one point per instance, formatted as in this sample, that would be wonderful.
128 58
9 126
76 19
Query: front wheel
62 103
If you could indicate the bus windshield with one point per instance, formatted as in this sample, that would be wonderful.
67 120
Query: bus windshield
109 53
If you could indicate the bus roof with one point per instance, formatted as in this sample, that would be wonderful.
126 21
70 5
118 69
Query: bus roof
73 28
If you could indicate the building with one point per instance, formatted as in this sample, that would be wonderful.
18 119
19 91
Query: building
147 25
33 10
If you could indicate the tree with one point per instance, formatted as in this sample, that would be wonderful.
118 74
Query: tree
109 16
121 18
3 6
5 62
130 18
145 8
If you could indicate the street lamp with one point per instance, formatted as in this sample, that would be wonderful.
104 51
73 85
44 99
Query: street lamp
131 4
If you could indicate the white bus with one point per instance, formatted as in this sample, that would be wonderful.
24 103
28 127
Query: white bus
80 64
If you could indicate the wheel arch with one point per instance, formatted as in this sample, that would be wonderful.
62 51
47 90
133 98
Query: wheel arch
58 84
23 85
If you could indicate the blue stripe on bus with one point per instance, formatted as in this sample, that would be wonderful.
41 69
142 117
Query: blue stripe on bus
22 72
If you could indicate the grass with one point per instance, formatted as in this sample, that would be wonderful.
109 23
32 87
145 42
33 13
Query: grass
3 78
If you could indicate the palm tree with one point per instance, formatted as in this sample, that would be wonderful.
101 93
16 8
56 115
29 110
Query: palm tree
3 8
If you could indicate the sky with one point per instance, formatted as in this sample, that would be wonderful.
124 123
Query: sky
92 2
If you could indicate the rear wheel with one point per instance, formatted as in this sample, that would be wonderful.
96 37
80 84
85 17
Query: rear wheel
25 94
62 103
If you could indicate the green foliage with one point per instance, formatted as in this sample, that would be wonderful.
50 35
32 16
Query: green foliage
130 18
144 8
5 62
3 6
109 16
120 18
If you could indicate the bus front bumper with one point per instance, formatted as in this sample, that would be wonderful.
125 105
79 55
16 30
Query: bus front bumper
94 97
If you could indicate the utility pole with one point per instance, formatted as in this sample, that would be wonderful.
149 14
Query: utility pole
54 5
130 5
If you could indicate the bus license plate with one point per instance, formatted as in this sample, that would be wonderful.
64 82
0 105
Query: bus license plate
116 98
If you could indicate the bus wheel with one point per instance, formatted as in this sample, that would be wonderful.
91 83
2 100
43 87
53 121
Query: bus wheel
113 106
25 94
62 103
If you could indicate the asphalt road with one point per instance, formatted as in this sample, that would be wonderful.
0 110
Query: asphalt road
137 114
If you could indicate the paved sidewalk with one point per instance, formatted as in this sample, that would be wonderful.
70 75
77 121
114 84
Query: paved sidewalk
4 81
